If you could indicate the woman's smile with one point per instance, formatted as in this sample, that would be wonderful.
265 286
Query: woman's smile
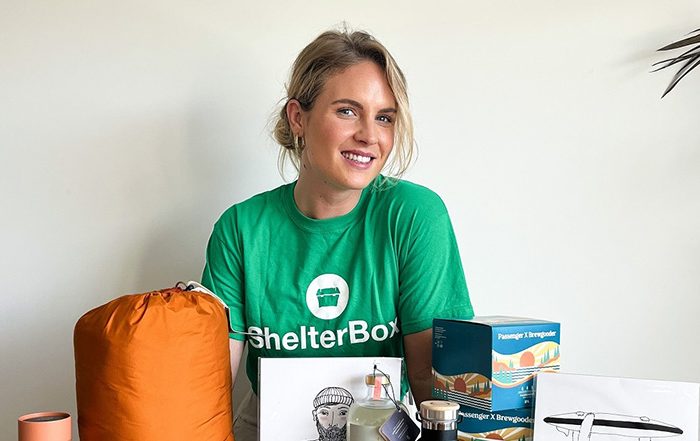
359 159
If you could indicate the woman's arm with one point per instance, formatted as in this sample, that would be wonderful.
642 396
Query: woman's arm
236 351
418 351
431 279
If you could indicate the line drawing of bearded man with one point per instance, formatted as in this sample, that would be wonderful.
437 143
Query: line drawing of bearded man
331 406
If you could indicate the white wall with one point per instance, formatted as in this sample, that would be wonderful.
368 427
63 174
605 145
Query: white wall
127 127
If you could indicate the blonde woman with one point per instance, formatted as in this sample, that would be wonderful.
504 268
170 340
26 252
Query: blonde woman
348 260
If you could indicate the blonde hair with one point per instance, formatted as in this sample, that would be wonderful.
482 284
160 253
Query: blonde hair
330 53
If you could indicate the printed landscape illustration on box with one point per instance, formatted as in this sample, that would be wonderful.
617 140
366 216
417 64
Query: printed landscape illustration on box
508 371
491 364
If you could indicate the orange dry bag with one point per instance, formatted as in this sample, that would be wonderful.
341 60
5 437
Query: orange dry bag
154 367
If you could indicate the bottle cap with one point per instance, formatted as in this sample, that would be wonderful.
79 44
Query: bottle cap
439 410
369 379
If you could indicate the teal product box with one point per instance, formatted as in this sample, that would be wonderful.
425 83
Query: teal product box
489 363
507 425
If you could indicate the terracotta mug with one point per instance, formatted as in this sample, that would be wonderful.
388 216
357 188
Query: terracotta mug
44 426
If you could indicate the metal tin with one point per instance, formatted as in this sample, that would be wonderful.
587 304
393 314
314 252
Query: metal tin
439 415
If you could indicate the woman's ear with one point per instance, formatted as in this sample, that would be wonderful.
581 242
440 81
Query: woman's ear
295 117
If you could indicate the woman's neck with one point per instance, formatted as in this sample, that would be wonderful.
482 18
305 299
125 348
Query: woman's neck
317 203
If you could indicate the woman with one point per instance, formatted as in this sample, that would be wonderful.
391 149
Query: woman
344 261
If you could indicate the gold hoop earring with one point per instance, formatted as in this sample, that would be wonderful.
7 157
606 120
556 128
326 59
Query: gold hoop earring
299 143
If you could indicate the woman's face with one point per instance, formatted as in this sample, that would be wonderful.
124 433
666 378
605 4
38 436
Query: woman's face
349 132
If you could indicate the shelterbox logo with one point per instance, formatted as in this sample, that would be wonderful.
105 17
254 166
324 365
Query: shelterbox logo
327 296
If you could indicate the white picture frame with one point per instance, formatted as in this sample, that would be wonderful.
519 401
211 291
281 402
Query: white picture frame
290 387
594 408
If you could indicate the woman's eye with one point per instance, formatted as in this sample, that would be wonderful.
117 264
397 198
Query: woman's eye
346 112
385 119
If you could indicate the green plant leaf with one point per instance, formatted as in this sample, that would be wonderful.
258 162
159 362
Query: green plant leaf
671 61
690 65
690 58
695 39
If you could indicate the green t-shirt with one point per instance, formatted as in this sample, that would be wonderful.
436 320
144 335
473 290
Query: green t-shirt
346 286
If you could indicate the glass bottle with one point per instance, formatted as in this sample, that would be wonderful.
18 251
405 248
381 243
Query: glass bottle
368 414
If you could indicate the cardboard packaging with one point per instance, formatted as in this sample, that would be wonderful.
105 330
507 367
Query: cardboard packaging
489 363
508 425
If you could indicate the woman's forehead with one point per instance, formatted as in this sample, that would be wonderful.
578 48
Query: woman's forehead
364 82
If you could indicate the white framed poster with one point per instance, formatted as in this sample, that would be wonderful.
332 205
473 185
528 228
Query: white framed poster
308 398
593 408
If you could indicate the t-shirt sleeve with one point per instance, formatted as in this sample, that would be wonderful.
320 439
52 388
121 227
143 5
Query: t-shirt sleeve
431 277
223 274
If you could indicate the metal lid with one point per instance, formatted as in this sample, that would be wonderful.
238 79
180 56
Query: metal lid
439 410
369 379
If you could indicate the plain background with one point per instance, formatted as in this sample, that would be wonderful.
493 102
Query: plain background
126 128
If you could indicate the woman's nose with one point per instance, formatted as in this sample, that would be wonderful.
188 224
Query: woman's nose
367 132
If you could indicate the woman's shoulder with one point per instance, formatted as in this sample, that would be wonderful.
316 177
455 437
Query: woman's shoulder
255 207
405 194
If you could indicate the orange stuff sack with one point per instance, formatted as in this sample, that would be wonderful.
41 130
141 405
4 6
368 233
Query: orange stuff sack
154 367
